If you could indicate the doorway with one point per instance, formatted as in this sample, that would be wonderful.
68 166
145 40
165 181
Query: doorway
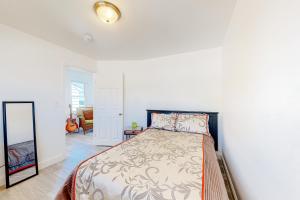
93 102
79 104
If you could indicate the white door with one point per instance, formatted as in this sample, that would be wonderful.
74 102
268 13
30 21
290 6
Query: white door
108 109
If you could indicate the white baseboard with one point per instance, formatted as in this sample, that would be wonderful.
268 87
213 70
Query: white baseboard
52 161
2 176
42 165
229 176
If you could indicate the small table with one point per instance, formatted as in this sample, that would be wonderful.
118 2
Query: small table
130 133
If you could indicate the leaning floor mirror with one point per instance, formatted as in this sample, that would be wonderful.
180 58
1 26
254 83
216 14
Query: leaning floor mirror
19 141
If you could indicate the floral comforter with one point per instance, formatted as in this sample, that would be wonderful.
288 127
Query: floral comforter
155 165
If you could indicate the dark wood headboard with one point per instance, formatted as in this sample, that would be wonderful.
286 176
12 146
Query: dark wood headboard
212 123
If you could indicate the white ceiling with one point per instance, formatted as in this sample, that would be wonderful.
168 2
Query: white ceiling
147 28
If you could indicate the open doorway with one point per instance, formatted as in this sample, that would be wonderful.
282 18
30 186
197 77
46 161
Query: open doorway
79 102
94 107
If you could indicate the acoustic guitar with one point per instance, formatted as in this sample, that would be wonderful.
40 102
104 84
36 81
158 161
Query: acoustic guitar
71 125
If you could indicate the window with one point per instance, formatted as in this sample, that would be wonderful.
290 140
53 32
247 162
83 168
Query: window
78 97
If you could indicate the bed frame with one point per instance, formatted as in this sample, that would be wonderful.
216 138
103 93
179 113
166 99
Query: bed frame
212 123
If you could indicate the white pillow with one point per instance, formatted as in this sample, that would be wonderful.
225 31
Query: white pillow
193 123
163 121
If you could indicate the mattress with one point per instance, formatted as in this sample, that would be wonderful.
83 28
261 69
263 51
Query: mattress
156 164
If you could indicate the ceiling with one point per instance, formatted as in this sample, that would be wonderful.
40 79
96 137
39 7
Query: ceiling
147 28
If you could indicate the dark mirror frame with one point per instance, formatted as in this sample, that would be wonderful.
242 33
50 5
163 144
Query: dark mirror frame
4 103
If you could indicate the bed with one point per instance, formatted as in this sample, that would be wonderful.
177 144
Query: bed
20 156
154 165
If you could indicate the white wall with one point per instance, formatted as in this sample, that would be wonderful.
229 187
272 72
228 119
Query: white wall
190 81
19 123
262 99
33 69
85 77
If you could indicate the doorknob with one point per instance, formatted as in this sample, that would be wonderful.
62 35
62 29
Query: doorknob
120 114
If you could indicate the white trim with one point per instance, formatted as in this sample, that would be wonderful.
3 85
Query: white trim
219 154
46 163
2 177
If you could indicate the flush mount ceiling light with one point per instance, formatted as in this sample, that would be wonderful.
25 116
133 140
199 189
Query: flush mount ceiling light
107 12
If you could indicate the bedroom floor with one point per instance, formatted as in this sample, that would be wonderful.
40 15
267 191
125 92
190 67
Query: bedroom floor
48 182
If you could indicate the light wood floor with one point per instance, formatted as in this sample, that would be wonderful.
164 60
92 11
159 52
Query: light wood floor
46 185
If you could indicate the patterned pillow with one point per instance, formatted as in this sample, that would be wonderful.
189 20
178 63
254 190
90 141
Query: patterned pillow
163 121
193 123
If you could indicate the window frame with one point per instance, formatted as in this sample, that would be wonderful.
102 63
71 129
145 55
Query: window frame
74 110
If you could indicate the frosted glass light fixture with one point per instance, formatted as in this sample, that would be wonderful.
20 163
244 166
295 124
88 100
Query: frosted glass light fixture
107 12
